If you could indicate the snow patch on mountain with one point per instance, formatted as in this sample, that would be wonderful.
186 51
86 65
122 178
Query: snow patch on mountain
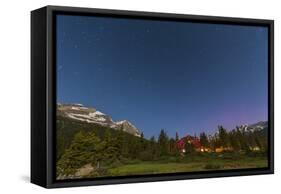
253 127
91 115
97 113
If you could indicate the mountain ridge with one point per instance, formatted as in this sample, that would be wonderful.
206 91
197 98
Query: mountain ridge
258 126
82 113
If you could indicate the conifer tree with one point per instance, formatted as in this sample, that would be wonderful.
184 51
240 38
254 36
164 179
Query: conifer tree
86 148
177 137
204 140
111 150
163 143
223 137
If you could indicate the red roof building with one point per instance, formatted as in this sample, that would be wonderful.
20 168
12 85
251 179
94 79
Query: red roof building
192 140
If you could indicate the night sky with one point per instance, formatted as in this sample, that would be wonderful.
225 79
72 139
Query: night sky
180 76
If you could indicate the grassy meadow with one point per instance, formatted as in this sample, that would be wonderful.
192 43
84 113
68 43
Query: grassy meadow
88 151
197 163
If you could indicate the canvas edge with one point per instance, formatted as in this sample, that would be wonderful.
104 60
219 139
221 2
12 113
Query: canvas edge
51 183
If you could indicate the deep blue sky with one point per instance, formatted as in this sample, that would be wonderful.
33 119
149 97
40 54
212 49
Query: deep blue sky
185 77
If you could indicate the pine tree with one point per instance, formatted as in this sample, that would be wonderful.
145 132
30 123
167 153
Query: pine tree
142 142
177 137
204 140
234 141
172 146
112 148
86 148
242 140
153 147
223 137
163 143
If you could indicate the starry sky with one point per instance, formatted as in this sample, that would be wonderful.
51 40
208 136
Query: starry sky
179 76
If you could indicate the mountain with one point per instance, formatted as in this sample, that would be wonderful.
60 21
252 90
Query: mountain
261 126
128 127
81 113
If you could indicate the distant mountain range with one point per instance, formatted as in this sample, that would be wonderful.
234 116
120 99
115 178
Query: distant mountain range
259 126
78 112
81 113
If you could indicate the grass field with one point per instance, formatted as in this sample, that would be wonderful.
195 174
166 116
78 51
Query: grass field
194 164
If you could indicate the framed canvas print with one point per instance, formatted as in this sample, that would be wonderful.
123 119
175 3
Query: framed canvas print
125 96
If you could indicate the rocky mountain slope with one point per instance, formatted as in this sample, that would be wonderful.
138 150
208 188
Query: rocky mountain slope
259 126
81 113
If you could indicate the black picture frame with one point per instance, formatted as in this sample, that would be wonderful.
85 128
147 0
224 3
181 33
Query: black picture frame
43 96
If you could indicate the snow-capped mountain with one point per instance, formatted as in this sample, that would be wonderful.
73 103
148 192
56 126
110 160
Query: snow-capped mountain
128 127
259 126
91 115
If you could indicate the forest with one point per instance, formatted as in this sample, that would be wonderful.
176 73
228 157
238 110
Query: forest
89 150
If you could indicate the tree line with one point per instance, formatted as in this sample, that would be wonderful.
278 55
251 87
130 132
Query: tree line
113 148
238 139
